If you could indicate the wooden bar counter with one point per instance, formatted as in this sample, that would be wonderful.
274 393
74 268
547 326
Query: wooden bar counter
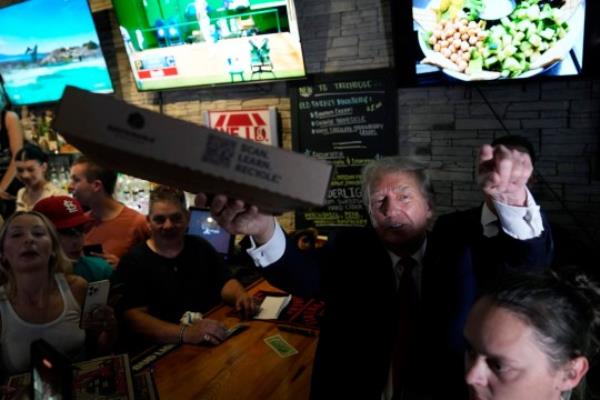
242 367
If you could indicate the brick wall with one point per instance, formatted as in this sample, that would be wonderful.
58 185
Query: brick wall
336 35
445 125
442 125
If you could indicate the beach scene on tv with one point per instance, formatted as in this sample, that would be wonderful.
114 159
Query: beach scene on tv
470 40
184 43
47 44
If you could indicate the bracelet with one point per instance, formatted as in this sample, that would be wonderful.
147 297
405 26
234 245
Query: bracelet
181 330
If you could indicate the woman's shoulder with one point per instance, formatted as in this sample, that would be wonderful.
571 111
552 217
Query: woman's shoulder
10 116
10 119
20 193
78 286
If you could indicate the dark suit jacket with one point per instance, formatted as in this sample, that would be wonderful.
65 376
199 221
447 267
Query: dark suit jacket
354 275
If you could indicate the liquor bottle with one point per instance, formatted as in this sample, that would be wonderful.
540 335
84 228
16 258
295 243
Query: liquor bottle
41 130
27 124
52 137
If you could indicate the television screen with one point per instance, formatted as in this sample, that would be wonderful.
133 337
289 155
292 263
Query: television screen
481 40
47 44
203 225
183 43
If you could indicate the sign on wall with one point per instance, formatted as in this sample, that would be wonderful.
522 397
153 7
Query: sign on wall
347 120
258 125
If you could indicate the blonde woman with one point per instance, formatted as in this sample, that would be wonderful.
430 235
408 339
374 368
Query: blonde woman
38 299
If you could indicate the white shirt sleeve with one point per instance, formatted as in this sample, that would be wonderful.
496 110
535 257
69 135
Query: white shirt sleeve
521 222
270 252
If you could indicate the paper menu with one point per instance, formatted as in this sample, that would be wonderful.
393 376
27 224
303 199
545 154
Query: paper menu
272 306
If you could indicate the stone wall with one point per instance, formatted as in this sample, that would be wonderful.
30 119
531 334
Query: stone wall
443 125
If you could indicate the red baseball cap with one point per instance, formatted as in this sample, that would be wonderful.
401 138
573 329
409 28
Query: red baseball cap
64 211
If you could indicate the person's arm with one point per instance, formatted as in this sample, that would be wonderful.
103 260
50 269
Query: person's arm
521 223
239 218
233 293
102 324
504 173
78 287
157 330
15 140
503 177
287 267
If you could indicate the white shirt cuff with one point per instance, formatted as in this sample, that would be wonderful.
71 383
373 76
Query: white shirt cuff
521 222
270 252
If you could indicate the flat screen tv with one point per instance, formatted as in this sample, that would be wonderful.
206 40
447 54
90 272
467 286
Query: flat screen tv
203 225
489 40
46 45
185 43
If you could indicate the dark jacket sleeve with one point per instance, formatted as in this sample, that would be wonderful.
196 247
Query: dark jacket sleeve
298 271
462 230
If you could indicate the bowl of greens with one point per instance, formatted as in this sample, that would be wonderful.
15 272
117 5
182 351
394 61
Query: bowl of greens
481 40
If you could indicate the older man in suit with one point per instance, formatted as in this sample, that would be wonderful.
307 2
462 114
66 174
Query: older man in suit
398 294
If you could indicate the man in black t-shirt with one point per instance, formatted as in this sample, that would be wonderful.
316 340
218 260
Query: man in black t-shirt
171 274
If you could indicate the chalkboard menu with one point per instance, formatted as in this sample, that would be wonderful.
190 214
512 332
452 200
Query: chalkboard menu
347 120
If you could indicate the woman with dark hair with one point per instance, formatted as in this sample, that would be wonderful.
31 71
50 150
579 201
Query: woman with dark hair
532 337
11 140
32 164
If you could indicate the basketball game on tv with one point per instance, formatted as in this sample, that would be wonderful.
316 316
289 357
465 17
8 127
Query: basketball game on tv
484 40
183 43
40 53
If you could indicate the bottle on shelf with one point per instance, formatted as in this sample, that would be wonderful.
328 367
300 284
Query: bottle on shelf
133 192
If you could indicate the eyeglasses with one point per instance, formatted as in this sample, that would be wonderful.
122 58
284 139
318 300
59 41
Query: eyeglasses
176 218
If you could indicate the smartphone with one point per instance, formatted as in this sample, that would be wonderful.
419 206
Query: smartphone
92 248
95 296
51 373
235 330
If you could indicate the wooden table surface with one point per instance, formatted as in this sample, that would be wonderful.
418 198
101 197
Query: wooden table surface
242 367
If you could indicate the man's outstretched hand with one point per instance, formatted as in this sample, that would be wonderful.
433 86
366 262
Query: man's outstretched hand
504 173
238 218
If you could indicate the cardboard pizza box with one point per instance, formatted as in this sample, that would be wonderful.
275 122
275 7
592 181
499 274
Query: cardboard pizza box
194 158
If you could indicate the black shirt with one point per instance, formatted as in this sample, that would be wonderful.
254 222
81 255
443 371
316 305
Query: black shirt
192 281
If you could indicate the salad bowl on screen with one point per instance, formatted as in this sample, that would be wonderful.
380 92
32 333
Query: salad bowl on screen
497 39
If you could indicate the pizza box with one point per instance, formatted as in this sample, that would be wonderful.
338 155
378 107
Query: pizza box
169 151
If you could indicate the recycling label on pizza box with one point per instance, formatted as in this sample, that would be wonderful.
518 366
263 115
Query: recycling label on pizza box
258 125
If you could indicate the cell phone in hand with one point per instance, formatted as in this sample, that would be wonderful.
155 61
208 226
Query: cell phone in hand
235 330
92 248
95 296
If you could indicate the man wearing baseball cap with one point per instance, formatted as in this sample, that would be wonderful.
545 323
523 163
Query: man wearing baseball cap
69 219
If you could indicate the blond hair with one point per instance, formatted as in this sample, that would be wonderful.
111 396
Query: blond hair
58 261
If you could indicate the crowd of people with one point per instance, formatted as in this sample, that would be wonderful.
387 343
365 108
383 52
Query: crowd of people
467 300
54 243
425 286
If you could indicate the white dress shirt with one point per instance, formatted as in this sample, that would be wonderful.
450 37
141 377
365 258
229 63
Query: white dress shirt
518 222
